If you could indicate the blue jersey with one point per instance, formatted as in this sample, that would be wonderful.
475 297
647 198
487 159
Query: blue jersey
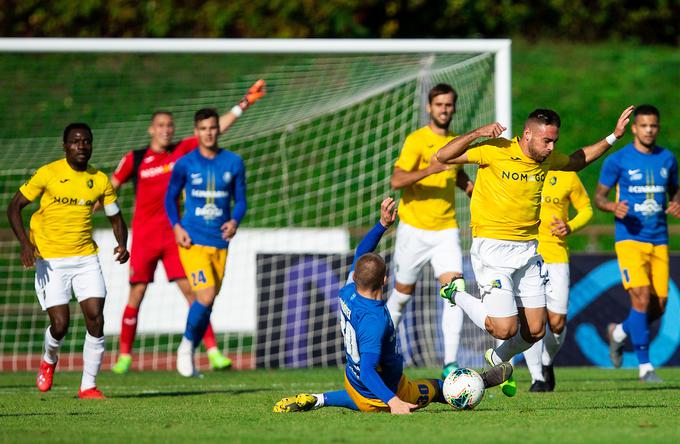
643 180
209 185
367 328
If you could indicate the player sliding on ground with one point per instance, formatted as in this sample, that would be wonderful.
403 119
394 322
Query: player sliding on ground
374 379
505 218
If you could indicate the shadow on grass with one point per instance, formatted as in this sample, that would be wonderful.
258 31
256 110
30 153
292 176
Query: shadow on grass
548 408
642 387
187 393
21 415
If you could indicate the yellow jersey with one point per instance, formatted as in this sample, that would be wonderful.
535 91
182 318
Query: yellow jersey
561 189
430 203
507 197
62 226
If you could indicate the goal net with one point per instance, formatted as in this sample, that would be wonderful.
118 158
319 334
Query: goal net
319 151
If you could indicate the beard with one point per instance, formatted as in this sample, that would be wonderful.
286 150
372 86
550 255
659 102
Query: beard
439 124
538 157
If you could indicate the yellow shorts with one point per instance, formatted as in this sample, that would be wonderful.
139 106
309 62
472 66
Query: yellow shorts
204 266
420 392
643 264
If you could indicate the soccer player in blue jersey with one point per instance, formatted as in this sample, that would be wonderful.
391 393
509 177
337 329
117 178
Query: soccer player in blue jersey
645 176
211 178
374 379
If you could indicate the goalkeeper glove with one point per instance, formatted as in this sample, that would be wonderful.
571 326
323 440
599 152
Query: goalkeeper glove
255 93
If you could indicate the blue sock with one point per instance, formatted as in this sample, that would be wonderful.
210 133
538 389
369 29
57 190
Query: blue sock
440 396
339 398
637 328
197 322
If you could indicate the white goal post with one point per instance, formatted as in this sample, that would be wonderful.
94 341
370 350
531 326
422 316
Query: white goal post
315 162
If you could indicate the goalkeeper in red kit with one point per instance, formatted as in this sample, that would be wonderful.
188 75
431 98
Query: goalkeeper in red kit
150 169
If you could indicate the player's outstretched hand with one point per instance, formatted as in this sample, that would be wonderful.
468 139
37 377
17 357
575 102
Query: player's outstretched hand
491 130
620 209
121 254
558 227
621 124
387 212
229 229
399 407
673 208
255 93
182 238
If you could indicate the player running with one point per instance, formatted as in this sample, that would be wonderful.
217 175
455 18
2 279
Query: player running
505 218
645 176
211 178
374 379
561 189
427 230
63 251
150 168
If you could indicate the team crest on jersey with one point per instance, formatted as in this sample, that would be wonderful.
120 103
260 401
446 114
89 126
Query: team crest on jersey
553 180
664 173
227 177
90 183
496 283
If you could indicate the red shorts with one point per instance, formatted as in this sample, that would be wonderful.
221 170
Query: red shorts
145 253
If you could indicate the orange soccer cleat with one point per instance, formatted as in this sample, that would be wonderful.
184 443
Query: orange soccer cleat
91 393
45 375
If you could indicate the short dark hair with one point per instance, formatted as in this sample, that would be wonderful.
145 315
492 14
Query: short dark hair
646 110
205 113
544 117
160 112
439 89
77 125
369 272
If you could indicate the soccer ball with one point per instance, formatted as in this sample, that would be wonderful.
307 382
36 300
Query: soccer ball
463 389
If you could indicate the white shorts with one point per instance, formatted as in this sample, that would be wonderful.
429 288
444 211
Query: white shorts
510 274
56 279
415 247
557 288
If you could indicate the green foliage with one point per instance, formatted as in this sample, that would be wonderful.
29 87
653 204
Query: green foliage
589 406
651 21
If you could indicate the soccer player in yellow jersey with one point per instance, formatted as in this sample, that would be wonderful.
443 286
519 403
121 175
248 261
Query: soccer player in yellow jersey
61 247
427 230
505 218
561 189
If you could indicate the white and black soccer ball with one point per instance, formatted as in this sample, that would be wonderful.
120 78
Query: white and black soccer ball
463 389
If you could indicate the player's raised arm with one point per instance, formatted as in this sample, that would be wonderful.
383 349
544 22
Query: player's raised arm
454 151
254 93
585 156
387 217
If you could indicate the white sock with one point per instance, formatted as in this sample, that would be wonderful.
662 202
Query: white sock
512 347
552 344
452 325
472 307
185 344
51 347
645 368
533 358
319 400
395 305
618 334
93 352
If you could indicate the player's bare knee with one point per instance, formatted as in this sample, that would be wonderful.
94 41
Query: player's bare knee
557 324
404 288
501 329
58 327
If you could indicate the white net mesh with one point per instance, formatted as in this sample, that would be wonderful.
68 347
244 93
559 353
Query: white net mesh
319 151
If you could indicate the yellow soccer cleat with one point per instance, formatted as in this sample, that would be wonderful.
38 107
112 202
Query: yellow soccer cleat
300 403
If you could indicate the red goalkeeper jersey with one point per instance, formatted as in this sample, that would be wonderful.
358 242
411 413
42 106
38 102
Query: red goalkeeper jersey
153 176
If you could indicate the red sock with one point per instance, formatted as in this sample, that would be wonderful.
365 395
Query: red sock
209 338
128 329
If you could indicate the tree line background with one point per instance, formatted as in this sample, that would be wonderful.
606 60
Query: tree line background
637 21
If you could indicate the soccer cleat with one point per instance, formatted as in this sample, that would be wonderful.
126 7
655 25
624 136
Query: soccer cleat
615 347
217 360
449 290
549 377
91 393
185 360
497 374
45 375
538 386
508 387
651 378
449 368
300 403
122 365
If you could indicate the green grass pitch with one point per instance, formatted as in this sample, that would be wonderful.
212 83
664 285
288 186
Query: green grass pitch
589 406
